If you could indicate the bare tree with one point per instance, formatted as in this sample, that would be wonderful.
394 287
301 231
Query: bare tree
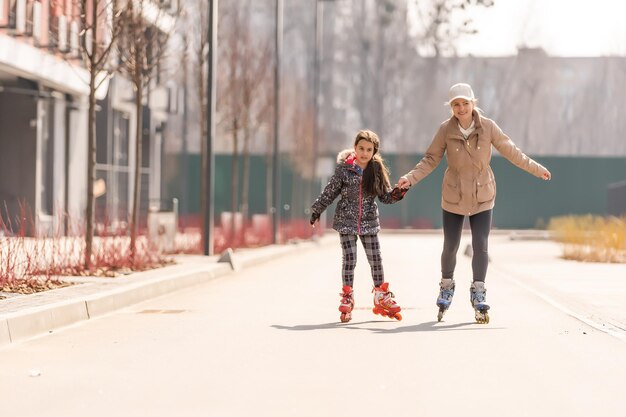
256 100
199 39
440 25
440 31
303 158
244 98
381 48
141 47
100 22
229 98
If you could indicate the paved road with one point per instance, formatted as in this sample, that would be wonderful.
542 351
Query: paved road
267 342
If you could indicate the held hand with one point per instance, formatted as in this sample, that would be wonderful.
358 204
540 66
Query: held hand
398 193
404 183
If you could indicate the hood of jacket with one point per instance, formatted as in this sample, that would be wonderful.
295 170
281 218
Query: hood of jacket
347 156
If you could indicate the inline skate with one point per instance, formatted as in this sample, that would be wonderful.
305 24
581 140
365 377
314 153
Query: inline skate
446 292
347 304
384 304
478 295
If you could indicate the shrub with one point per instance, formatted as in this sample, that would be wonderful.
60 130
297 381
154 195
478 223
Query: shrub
591 238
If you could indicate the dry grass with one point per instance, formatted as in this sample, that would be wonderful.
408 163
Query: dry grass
34 259
591 238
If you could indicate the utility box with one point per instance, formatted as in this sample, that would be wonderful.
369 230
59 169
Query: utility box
616 198
162 224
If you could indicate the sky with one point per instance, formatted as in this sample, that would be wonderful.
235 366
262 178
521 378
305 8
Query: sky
560 27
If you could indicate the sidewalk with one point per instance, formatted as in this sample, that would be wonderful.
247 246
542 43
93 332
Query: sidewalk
27 316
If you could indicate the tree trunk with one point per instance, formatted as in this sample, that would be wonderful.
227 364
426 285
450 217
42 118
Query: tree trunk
137 178
184 177
234 177
204 198
268 177
91 171
245 198
91 146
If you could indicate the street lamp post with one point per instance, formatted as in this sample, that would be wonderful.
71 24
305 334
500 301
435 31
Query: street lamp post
319 29
208 166
276 168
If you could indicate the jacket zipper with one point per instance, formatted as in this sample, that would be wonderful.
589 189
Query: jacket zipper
360 203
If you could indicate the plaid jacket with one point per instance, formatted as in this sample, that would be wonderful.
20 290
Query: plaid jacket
356 212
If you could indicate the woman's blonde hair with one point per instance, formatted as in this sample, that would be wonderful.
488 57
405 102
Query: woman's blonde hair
376 174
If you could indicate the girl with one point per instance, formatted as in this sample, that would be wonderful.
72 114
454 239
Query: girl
469 188
360 177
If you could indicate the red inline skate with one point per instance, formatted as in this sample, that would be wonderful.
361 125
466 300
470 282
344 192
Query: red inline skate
347 304
384 304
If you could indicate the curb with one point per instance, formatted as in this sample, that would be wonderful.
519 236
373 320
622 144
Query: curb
32 322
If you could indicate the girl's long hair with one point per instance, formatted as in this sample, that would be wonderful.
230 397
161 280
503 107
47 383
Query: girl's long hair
376 174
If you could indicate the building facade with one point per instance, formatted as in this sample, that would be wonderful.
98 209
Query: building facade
43 122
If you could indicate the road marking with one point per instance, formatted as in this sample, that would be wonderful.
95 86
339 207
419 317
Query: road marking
609 329
161 311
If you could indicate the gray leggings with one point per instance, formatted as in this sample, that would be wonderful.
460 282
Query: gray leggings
480 225
372 251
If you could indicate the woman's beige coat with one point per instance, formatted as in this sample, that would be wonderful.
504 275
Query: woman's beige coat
469 186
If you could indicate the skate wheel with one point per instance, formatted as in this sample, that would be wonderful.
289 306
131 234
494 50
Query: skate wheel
380 312
482 319
398 316
345 317
440 315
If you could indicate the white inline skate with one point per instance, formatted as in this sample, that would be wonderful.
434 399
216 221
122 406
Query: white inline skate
446 292
478 295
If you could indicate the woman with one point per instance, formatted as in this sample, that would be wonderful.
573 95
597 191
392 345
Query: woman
469 188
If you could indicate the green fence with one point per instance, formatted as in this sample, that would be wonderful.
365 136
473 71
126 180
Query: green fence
578 186
296 192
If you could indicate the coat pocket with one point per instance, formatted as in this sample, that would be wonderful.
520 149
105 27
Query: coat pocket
486 191
451 192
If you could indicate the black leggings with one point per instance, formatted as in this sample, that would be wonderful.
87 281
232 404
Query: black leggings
480 224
